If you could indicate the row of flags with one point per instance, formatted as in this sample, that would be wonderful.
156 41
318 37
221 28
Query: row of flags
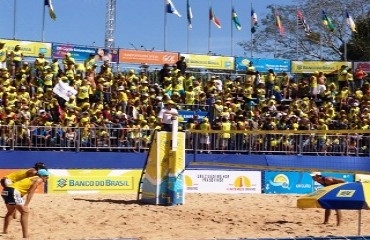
254 21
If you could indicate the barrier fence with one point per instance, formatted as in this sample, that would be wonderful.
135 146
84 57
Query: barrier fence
337 143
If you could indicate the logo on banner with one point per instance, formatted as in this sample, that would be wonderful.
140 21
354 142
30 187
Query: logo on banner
168 58
280 180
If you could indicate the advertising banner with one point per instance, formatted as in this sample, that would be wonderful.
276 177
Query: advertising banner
209 62
4 172
186 114
365 66
93 181
321 66
147 57
263 65
209 181
288 182
79 53
29 49
278 182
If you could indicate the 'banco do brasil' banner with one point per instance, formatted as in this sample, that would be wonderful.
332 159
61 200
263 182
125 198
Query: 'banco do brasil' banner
209 62
365 66
79 53
29 49
263 65
147 57
321 66
93 181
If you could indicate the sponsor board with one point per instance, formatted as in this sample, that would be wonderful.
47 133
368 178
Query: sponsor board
4 172
365 66
29 49
321 66
263 65
209 62
147 57
93 181
208 181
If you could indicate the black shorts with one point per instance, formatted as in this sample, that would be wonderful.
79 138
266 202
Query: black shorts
5 182
12 196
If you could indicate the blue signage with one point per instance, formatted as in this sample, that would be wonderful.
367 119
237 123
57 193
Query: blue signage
79 53
288 182
186 114
263 65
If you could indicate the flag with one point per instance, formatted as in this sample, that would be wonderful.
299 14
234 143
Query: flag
171 8
327 22
254 21
49 4
279 24
213 18
302 22
189 14
350 22
235 19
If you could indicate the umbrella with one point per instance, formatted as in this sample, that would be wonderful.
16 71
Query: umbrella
350 196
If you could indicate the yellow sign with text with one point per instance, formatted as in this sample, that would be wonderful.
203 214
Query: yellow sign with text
312 66
209 62
79 181
29 49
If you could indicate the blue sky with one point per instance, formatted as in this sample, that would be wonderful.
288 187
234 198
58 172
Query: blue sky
139 24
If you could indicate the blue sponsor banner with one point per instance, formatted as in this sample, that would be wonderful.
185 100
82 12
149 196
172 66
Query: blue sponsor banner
345 177
288 182
79 53
263 65
186 114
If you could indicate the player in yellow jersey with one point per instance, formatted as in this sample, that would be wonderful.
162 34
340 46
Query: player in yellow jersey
13 198
21 174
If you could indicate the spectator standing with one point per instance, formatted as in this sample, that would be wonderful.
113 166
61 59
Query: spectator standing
3 55
166 115
16 57
360 75
181 65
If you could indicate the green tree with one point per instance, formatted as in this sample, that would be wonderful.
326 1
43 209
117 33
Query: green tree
321 43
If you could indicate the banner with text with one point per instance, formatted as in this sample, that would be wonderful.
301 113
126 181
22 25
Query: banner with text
209 62
79 53
365 66
93 181
321 66
147 57
263 65
208 181
187 114
29 49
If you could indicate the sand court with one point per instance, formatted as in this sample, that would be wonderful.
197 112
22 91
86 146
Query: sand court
203 216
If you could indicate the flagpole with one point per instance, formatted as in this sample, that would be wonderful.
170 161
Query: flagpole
43 24
232 32
275 36
252 42
209 27
296 34
187 38
165 27
14 17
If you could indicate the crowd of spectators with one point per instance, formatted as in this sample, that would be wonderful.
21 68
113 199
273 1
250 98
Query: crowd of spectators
129 102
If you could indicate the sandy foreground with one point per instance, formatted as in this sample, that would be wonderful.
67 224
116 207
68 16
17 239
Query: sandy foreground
203 216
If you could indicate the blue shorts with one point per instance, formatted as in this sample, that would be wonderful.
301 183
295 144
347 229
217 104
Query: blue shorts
12 196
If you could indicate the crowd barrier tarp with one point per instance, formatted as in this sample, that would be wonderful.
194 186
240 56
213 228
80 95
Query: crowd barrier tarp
29 49
131 160
209 62
263 65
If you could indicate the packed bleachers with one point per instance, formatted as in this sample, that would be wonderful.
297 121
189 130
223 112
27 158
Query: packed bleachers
117 110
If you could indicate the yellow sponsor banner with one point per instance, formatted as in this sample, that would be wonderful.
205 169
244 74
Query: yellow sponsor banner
209 62
29 49
321 66
164 154
93 181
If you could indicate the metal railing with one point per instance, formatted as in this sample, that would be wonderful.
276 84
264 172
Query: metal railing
338 143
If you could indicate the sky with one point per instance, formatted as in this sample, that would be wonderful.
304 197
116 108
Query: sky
139 24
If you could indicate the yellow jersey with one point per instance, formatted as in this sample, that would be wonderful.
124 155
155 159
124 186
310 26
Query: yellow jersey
17 176
23 185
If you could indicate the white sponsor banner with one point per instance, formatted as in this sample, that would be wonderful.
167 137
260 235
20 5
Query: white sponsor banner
208 181
64 91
